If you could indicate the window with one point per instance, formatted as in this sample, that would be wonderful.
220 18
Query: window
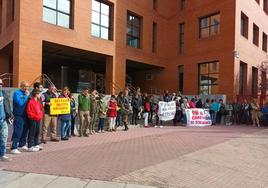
209 26
264 42
181 77
255 35
10 13
181 38
209 78
1 12
242 78
254 85
101 20
57 12
244 25
154 39
133 30
155 4
265 6
182 4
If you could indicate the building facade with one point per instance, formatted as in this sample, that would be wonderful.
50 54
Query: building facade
192 46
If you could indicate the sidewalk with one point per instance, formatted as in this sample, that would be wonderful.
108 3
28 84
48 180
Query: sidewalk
172 157
18 180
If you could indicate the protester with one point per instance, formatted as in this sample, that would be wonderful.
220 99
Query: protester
125 109
49 119
264 111
111 113
20 128
192 103
136 104
84 112
93 111
214 109
119 101
199 104
102 110
146 111
153 105
236 112
222 112
65 119
246 112
166 97
206 105
178 110
73 116
35 113
255 113
5 116
185 105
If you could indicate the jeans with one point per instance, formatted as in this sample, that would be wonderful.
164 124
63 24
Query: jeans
146 115
184 118
118 119
101 124
135 116
34 131
71 130
65 125
111 123
20 132
213 117
3 137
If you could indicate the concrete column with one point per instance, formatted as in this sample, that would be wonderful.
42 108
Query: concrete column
27 60
115 75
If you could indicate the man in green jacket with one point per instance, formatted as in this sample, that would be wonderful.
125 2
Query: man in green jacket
84 111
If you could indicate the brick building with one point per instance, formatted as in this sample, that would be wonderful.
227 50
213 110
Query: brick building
192 46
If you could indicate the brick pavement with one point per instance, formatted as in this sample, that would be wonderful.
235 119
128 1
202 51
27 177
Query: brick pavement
114 156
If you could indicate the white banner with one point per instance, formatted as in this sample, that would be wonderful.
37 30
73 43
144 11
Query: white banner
166 110
198 117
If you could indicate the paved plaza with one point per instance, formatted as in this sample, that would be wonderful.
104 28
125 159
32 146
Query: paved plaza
219 156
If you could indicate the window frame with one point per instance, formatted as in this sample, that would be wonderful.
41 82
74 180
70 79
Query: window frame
264 42
246 25
256 38
181 36
208 74
209 25
61 12
102 26
139 38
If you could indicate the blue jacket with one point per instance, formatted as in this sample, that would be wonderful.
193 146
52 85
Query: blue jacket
2 109
20 100
215 106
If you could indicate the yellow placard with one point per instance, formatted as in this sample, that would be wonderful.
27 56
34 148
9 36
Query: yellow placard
60 106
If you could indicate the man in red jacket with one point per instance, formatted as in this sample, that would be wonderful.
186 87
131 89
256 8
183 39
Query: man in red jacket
35 113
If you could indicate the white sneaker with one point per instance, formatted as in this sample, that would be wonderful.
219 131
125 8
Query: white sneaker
103 131
23 148
99 131
155 126
161 126
5 158
33 149
39 147
15 151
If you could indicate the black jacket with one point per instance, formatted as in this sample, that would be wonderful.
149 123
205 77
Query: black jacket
7 106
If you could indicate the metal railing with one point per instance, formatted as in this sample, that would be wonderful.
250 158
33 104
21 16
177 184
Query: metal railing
7 78
45 80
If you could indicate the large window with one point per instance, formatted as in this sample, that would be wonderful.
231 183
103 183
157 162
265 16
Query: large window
57 12
209 26
181 78
182 4
181 38
264 42
154 38
244 25
133 30
209 78
255 34
242 78
254 85
101 20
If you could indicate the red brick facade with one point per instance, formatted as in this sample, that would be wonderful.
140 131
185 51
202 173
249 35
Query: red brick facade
28 31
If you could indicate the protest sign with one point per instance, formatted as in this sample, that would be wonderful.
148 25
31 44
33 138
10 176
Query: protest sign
198 117
166 110
60 106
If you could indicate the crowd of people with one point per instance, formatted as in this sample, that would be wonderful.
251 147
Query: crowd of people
31 116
